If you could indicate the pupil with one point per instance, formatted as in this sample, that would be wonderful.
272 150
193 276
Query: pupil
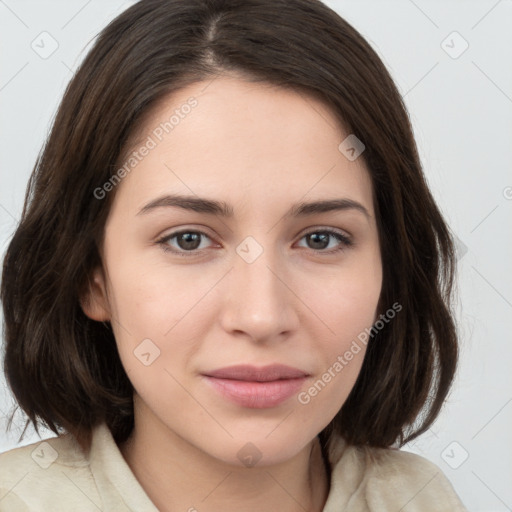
191 240
322 237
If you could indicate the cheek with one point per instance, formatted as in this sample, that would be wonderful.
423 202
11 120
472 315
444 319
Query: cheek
153 336
153 298
157 312
347 305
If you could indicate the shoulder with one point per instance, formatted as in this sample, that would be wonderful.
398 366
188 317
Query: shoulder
396 479
45 475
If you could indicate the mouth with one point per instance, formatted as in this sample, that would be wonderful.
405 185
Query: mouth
257 388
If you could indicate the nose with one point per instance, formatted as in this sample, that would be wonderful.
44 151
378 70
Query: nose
259 301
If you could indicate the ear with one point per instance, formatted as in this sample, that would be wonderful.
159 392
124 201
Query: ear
94 299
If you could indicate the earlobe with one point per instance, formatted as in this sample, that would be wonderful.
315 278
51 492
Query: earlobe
94 300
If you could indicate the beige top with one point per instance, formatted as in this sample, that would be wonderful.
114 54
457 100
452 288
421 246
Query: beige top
54 475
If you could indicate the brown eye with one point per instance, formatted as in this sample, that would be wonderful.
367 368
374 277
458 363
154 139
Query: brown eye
319 240
186 241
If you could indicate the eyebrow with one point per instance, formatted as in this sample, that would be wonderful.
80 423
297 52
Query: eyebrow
223 209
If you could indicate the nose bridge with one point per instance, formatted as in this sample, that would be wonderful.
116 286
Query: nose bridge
258 279
259 303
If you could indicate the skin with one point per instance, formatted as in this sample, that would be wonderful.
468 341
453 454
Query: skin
260 149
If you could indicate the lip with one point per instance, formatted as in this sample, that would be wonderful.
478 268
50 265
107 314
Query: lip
257 387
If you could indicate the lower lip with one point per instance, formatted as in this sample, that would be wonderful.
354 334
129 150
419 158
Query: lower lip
257 395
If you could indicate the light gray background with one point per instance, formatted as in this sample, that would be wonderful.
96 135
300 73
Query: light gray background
461 109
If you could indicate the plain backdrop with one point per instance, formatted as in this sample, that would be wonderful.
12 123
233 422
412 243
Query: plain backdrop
452 63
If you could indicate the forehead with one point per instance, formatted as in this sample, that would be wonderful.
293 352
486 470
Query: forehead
243 142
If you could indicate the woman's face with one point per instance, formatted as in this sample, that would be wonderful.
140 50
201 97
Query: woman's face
269 284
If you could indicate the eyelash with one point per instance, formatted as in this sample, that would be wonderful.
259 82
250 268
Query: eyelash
345 242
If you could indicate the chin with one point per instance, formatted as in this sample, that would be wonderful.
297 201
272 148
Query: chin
258 451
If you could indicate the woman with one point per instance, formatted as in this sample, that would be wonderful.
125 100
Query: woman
230 287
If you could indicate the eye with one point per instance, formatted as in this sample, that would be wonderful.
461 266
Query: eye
320 240
189 242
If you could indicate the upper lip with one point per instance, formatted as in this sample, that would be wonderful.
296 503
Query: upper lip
257 374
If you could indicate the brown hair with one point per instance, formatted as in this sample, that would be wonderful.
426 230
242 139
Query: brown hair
64 368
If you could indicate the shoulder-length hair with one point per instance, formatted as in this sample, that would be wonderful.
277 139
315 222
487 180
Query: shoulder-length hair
64 369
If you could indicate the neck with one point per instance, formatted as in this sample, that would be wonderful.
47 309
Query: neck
179 477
